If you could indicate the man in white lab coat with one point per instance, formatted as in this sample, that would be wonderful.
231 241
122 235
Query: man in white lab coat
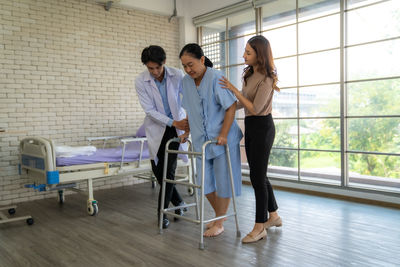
158 89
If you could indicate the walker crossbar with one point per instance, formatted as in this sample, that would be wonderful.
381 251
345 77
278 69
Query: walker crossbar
182 183
199 213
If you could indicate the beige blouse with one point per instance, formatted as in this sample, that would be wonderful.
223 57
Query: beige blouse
258 91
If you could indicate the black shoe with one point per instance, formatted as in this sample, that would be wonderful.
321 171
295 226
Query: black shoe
165 223
181 204
180 212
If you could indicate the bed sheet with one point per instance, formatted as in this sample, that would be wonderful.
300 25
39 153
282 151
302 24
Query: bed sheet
132 153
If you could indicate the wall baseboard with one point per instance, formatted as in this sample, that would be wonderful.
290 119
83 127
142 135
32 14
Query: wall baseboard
350 194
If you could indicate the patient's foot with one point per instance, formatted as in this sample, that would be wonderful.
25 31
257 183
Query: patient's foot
211 224
215 230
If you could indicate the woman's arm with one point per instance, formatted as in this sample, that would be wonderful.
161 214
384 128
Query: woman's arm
226 84
222 139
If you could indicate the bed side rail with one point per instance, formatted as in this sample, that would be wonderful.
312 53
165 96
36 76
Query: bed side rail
105 139
126 141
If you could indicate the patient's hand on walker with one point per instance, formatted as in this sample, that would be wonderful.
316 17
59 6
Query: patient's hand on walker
184 137
222 140
181 125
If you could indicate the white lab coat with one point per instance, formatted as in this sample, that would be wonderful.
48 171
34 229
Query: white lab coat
150 98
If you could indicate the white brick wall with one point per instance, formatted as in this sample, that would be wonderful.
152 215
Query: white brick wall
67 69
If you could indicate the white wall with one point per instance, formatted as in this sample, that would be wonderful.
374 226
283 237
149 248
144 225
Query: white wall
67 71
186 10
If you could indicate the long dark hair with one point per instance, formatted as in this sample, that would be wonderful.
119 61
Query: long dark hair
265 61
195 51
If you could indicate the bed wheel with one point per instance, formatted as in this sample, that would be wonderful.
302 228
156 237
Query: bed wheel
190 191
153 184
93 209
61 197
29 221
11 211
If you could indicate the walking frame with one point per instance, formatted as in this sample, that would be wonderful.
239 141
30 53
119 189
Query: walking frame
11 211
199 213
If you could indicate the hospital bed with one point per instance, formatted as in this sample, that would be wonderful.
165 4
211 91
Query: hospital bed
47 172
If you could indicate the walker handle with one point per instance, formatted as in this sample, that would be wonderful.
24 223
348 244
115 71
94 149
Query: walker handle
176 139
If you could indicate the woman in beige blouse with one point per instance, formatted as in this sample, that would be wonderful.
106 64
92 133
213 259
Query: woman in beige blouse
259 83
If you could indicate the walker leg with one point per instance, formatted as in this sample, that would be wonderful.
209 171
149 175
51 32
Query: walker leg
163 186
201 246
202 202
196 191
228 159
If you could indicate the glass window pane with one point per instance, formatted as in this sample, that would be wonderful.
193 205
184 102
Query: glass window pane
222 70
358 3
282 40
322 167
284 104
287 71
320 101
309 9
283 163
240 114
241 24
373 60
216 53
236 49
278 13
243 158
286 133
374 98
320 134
235 76
214 31
374 134
318 68
374 171
319 34
385 23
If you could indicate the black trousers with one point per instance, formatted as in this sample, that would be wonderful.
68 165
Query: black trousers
171 194
259 137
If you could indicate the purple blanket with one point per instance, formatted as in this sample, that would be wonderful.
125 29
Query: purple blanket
132 152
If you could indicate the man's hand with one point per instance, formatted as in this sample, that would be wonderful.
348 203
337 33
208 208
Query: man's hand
184 137
181 125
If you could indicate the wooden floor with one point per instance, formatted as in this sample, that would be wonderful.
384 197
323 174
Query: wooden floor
316 232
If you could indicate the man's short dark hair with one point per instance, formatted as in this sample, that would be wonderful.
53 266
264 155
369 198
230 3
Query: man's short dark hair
153 53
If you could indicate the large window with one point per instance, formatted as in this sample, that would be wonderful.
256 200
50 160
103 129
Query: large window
337 116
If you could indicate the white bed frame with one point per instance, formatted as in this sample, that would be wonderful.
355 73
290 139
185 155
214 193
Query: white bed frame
38 161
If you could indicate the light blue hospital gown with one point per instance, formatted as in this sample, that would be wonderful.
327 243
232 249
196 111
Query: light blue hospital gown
205 106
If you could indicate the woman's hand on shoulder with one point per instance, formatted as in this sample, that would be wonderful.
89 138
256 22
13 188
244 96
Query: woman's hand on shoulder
226 84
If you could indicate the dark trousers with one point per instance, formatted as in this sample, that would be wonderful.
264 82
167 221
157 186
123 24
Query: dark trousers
259 137
171 194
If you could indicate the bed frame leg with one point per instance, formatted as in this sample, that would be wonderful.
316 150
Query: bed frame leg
92 207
